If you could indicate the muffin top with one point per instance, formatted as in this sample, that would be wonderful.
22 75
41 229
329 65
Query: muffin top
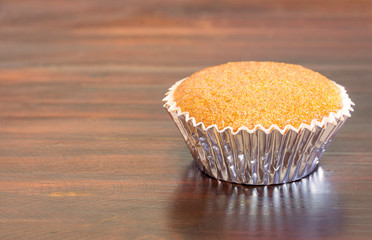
240 94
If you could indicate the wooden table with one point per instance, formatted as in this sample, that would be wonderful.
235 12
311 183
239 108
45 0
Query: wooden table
87 151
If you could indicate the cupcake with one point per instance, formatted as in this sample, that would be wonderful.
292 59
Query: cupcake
257 123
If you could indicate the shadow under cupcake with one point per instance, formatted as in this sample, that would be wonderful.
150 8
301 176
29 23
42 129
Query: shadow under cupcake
205 208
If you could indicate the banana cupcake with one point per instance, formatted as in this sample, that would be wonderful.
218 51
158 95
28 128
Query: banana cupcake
257 123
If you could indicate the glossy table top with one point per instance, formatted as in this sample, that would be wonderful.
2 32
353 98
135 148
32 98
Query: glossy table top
88 152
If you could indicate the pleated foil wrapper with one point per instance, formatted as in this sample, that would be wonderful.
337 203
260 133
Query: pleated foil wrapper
258 156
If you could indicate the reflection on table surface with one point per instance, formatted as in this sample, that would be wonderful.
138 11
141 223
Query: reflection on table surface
304 209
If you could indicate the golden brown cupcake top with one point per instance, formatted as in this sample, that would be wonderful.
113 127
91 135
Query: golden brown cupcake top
240 94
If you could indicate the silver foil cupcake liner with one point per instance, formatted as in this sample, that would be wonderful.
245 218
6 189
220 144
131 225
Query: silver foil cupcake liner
258 156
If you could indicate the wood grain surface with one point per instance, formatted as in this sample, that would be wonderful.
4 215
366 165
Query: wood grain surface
88 152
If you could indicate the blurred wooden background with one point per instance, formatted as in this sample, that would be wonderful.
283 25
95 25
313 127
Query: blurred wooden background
87 152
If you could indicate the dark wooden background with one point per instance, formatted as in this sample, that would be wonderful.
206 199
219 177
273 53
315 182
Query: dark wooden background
87 151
